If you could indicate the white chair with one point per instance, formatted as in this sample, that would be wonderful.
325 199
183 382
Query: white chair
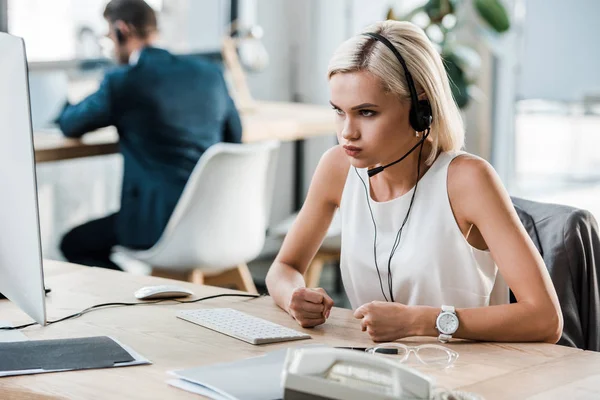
328 252
220 221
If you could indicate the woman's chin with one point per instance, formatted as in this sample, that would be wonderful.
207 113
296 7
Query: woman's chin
357 163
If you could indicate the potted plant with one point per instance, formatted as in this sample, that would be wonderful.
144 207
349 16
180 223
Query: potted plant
440 20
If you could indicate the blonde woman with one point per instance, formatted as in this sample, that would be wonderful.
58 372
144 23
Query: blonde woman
430 239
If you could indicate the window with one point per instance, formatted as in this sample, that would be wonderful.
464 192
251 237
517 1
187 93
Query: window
57 29
557 121
71 29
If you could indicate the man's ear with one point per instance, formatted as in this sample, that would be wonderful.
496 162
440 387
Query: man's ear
122 27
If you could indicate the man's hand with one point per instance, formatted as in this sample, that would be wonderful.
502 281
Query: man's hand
310 307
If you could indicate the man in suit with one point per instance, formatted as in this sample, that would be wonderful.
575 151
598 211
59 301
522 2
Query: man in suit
168 110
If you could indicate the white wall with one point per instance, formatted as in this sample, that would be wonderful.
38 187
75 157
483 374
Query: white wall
274 83
561 57
194 25
319 26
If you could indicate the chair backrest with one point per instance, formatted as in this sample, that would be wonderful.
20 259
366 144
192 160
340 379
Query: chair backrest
221 218
569 242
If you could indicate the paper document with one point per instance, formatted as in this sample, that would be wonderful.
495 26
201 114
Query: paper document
11 336
256 378
198 389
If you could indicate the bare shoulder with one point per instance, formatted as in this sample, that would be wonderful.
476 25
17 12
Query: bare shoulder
331 173
468 170
473 187
336 160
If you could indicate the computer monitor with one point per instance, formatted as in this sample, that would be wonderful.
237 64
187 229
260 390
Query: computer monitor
21 273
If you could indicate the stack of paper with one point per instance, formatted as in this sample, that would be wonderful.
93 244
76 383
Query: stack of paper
257 378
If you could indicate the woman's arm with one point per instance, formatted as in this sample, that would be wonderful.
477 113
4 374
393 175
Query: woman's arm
285 280
479 199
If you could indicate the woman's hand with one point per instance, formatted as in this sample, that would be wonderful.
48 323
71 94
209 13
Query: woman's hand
386 322
310 307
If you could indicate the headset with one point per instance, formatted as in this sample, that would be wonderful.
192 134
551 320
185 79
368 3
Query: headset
420 116
420 119
120 36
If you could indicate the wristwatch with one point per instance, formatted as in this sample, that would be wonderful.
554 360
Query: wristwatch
446 323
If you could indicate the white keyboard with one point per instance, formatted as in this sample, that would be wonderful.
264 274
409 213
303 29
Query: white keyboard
241 326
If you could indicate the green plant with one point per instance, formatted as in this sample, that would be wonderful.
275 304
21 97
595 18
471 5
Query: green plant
440 19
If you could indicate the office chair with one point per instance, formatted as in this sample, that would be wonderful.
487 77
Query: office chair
568 240
220 221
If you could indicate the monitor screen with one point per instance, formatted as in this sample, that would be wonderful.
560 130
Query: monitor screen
21 275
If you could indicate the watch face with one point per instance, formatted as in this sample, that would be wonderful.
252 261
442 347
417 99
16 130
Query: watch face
447 323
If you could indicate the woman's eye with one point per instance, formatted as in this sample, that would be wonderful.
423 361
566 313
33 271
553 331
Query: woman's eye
338 111
367 113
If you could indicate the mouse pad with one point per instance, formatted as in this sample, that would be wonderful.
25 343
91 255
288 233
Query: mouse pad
70 354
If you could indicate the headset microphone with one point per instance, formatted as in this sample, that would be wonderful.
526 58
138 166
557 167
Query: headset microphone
374 171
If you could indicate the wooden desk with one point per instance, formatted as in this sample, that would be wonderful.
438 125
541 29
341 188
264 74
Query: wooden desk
269 120
492 370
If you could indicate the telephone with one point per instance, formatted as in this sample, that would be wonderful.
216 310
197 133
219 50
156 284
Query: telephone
340 374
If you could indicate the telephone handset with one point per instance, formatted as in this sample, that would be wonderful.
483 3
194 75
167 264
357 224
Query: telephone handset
328 373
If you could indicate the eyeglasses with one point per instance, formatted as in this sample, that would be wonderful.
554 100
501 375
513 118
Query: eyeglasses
428 354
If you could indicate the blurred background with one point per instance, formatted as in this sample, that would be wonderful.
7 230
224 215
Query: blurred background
525 75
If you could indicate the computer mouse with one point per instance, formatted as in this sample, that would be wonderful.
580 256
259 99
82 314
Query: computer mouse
162 292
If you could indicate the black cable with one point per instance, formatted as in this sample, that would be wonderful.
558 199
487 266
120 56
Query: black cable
375 239
399 234
118 304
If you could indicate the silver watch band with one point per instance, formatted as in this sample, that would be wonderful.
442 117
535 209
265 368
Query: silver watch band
444 338
449 309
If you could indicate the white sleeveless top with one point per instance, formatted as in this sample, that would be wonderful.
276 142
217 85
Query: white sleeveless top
433 264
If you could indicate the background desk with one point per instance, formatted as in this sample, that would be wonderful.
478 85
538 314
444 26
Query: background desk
492 370
269 120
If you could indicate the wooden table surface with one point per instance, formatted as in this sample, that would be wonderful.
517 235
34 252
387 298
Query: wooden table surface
268 120
493 370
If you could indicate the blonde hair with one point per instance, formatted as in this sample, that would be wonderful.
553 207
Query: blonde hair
364 53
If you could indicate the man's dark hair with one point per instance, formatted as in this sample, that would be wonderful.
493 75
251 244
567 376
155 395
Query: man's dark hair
136 13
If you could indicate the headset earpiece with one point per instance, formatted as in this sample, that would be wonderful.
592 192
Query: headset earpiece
119 35
420 117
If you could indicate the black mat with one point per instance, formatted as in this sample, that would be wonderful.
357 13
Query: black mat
71 354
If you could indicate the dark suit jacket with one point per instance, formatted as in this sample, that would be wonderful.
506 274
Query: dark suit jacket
168 110
567 238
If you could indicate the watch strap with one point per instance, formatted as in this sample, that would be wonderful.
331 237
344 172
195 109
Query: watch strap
444 338
449 309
